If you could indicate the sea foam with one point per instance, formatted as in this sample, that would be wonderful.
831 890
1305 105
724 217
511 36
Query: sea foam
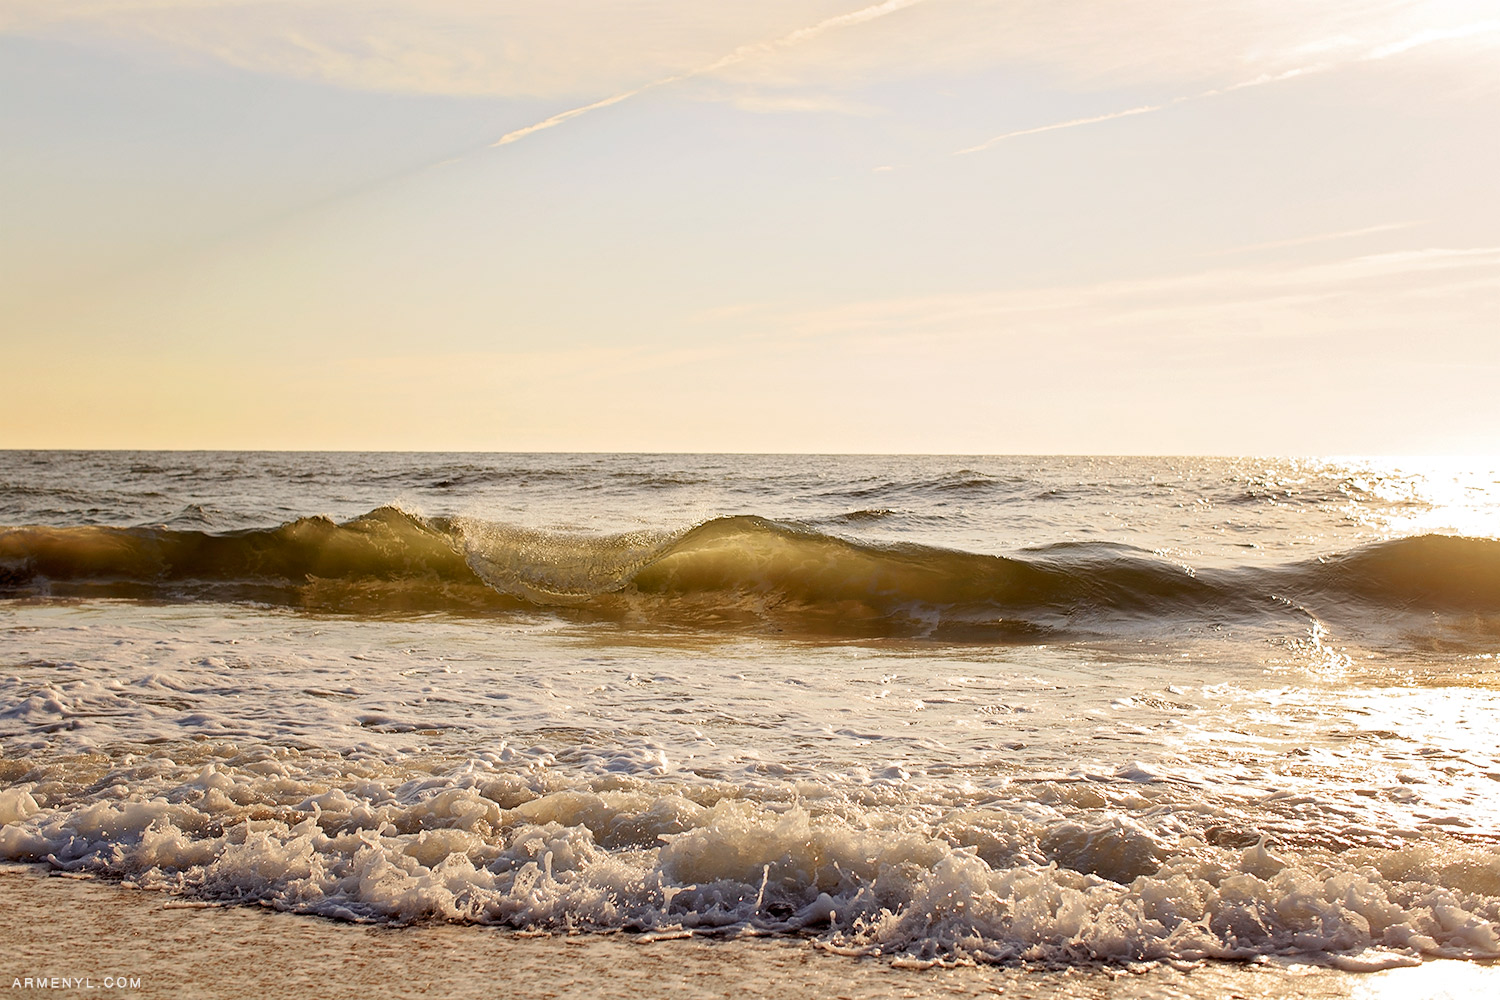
928 881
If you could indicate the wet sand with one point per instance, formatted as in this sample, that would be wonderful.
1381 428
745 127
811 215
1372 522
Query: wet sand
86 929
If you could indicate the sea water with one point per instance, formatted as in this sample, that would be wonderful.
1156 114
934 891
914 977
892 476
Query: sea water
935 709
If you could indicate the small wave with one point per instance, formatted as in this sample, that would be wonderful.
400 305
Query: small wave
385 556
469 476
1435 572
863 516
961 481
743 569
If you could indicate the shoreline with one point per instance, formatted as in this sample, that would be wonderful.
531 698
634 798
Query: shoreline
89 929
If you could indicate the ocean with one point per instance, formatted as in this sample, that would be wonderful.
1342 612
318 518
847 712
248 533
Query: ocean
934 711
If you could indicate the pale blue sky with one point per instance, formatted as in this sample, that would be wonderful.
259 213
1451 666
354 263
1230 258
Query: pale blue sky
279 224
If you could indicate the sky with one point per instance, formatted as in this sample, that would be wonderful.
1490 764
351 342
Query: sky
943 226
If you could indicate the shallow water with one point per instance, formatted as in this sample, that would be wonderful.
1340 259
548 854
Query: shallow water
940 709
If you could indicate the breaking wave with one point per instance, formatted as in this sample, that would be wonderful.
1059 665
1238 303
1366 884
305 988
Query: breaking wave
737 570
1061 875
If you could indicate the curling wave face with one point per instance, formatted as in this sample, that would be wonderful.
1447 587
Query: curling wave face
743 570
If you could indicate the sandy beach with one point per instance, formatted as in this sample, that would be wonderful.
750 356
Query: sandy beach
98 932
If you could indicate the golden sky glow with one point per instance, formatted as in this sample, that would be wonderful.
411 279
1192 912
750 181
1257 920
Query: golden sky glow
916 225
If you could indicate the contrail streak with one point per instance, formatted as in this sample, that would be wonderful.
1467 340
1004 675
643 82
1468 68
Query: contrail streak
739 55
563 116
1380 52
1071 123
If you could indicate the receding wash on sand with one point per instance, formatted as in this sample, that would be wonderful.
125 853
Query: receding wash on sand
1020 712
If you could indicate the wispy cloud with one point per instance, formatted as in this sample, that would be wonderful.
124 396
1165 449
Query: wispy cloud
739 55
1346 234
1384 51
1434 35
1267 299
575 50
771 103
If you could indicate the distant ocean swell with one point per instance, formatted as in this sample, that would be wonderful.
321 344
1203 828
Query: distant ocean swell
733 569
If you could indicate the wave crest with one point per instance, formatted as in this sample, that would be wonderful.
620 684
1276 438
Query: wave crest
742 569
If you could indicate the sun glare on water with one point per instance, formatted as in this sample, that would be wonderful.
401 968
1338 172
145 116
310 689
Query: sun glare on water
1444 496
1431 981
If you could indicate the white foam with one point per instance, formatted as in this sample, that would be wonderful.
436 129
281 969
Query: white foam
1053 804
481 843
